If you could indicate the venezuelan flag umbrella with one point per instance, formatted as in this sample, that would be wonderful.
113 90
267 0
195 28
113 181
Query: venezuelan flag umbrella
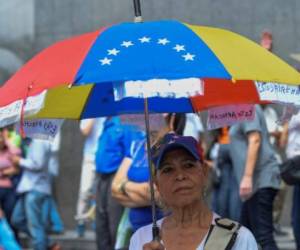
179 67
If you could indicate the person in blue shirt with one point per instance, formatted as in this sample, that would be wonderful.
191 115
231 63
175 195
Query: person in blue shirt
7 237
131 184
113 148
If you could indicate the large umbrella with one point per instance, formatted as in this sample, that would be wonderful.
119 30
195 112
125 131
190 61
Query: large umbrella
158 66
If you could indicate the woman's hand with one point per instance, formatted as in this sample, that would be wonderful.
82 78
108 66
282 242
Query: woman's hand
153 245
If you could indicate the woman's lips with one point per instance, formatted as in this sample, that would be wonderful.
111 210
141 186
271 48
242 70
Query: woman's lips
182 190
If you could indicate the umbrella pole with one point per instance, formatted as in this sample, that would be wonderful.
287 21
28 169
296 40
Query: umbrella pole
155 229
137 11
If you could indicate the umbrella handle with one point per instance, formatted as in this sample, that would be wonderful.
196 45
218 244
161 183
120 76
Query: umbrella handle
137 11
155 233
155 229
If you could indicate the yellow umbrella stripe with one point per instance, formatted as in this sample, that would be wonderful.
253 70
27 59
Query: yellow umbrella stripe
64 103
244 59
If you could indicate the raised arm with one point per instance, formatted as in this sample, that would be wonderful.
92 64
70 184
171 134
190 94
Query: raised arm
36 158
284 136
246 186
86 126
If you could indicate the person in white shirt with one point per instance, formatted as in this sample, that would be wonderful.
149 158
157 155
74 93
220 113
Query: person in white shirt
91 129
275 130
34 189
193 126
180 178
291 140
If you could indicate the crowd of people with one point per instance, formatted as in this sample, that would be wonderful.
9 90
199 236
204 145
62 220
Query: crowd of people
245 184
215 191
28 168
239 180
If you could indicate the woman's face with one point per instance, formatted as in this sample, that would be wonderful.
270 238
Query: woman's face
180 178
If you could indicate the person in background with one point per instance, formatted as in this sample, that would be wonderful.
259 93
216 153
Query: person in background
266 40
175 122
12 136
113 148
50 209
91 129
258 175
131 183
194 127
14 139
225 198
8 170
130 186
34 189
290 139
274 132
7 237
181 177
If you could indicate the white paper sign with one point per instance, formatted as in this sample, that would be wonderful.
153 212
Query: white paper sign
276 92
159 88
230 114
41 128
12 112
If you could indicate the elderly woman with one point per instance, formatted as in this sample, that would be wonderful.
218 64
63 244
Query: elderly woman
181 178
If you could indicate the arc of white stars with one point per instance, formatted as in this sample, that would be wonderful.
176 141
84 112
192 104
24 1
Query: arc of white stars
163 41
188 57
105 61
113 52
145 39
127 44
179 48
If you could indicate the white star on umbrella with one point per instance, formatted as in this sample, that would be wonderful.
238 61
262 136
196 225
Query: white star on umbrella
113 52
127 44
179 48
188 57
163 41
145 39
105 61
